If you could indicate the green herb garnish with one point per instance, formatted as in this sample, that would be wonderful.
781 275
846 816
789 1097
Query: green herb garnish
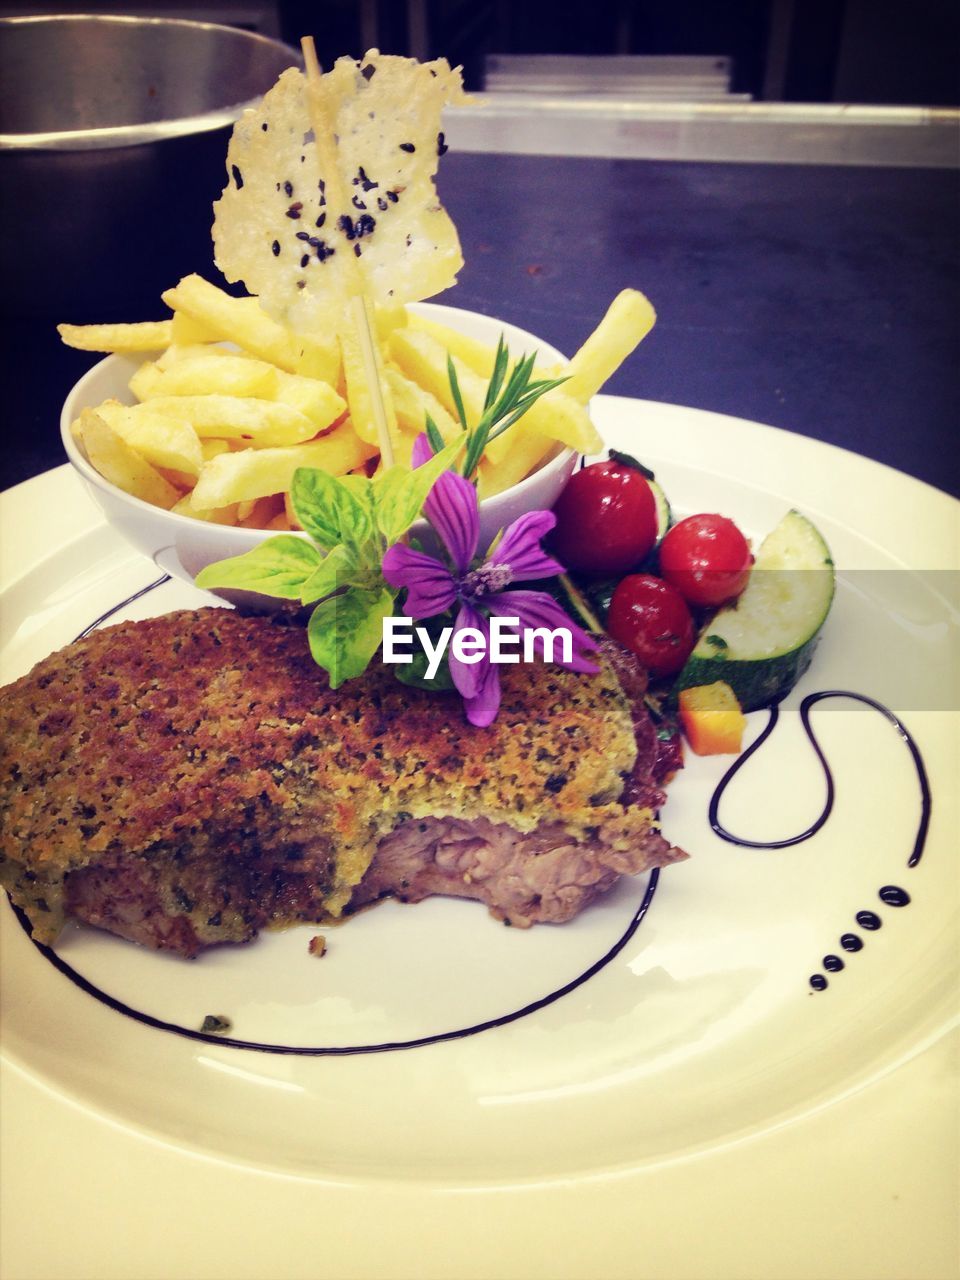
351 520
414 672
508 397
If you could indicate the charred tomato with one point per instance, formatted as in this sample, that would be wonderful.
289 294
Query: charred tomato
606 519
707 559
651 618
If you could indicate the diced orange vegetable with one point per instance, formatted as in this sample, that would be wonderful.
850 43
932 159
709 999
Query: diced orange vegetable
712 719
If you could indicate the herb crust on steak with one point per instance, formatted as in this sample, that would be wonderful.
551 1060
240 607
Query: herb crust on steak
189 779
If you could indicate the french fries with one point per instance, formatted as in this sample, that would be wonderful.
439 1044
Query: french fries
241 320
259 473
245 420
553 417
219 430
121 464
187 507
528 452
150 335
475 355
628 320
423 359
164 442
412 403
206 375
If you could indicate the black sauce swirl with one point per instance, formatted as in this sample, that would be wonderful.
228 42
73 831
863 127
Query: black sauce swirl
114 609
806 705
339 1051
892 895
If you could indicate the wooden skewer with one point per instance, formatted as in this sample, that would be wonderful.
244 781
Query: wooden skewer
323 134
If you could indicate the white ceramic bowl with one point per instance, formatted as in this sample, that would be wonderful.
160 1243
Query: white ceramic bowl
182 546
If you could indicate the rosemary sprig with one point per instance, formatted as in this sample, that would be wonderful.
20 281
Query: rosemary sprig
510 393
500 363
433 435
455 391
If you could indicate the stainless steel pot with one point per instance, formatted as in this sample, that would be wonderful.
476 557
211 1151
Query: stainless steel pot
113 138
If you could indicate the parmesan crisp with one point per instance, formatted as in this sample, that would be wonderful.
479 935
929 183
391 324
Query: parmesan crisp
278 227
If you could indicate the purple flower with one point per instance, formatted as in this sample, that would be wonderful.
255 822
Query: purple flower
434 586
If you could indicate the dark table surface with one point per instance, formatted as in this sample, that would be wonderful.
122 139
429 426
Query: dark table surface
821 300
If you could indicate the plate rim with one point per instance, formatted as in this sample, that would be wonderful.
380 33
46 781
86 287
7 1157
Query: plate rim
939 1052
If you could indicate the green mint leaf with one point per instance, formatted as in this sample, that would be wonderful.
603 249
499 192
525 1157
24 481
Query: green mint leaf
332 509
345 631
330 575
358 485
399 494
277 567
414 673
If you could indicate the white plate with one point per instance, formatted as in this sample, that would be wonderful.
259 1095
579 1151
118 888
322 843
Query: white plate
667 1067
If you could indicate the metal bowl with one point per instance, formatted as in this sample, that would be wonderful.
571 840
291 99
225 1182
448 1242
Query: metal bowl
113 138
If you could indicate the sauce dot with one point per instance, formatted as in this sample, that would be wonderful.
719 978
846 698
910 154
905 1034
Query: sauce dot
868 920
818 982
893 896
832 964
850 942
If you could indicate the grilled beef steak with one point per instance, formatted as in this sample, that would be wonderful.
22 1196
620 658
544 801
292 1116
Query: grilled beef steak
190 779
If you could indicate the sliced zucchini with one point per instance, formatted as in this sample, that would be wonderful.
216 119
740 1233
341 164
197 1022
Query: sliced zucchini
664 513
575 601
761 645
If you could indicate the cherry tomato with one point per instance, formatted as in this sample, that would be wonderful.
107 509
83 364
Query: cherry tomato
706 558
652 619
606 519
